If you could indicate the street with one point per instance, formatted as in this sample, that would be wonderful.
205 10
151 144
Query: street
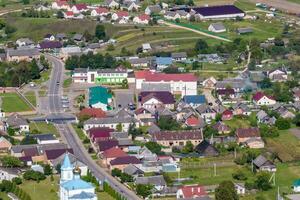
67 132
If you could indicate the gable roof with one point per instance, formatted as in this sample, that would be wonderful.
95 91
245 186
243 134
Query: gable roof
93 112
218 10
16 120
206 149
163 60
50 45
113 153
218 26
178 135
259 95
23 52
55 153
153 180
98 94
125 160
247 132
193 191
144 17
221 127
45 137
107 144
162 96
195 99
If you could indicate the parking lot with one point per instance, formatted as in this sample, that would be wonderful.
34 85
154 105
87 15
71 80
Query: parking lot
123 98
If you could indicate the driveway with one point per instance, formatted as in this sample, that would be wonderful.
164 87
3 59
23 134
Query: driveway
123 98
209 97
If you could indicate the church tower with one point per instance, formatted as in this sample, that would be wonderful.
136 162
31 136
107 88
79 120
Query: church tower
66 169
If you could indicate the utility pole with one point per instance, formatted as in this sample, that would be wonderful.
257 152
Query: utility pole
215 169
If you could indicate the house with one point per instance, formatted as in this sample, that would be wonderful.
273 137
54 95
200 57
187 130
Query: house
296 93
45 138
284 112
240 188
112 3
183 84
78 37
92 113
194 100
263 117
209 82
163 62
194 121
53 154
122 162
25 42
152 9
99 133
131 5
153 100
178 138
296 185
9 173
250 137
100 11
263 164
158 182
140 62
141 19
80 75
191 192
242 31
60 36
69 15
227 115
105 76
49 37
145 116
241 109
206 149
16 121
183 14
50 45
146 47
159 87
217 28
179 56
221 127
218 12
171 15
132 170
69 51
226 94
104 145
120 15
24 54
111 154
5 145
110 122
261 99
278 75
99 97
206 112
79 8
60 5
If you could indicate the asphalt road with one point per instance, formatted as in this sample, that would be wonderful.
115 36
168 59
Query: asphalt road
71 137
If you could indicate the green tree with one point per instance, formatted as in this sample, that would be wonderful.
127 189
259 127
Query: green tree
17 180
188 148
201 46
119 127
167 123
10 161
262 181
100 32
282 124
33 175
47 170
226 191
34 70
60 14
153 147
144 190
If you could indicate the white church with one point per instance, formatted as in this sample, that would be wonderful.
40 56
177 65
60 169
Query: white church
72 187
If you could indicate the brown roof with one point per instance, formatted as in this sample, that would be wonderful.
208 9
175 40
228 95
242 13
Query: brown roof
178 135
114 152
247 132
93 112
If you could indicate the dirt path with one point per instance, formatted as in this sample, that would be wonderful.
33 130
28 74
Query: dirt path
283 5
195 31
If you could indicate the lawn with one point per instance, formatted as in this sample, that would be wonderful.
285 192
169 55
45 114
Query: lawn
45 189
43 127
237 123
104 196
45 75
286 145
4 196
67 82
79 132
30 96
12 102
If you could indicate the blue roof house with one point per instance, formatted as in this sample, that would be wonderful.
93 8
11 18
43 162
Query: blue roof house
72 186
296 185
163 62
194 100
99 97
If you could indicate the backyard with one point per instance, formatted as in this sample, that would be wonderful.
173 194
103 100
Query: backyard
12 102
43 127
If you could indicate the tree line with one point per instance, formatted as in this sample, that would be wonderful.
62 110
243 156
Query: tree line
92 61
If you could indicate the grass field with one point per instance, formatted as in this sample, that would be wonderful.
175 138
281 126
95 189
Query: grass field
67 82
79 132
4 196
45 75
237 123
286 145
12 102
43 127
31 97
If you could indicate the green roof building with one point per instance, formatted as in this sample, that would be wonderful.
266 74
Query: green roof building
99 97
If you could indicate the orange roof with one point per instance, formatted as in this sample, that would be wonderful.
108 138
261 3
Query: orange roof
114 152
192 121
93 112
193 191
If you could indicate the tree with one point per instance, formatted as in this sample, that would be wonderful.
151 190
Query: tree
10 161
201 46
34 70
116 172
119 127
133 131
188 148
268 131
153 147
226 191
60 14
266 83
282 124
33 175
239 175
262 181
167 123
26 2
28 139
17 180
47 170
9 29
144 190
100 32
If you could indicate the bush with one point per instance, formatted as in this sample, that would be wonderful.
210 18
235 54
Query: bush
33 175
239 175
17 180
282 124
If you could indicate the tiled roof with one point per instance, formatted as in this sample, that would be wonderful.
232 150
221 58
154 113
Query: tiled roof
55 153
247 132
107 144
144 17
260 95
193 191
178 135
100 132
93 112
113 153
50 45
162 96
125 160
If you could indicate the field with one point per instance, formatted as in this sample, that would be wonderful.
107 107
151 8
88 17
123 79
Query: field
286 145
237 123
44 77
12 102
30 96
43 127
67 82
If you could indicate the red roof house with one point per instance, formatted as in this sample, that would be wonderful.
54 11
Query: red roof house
262 99
100 133
191 192
92 112
122 14
124 161
111 154
81 6
227 115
